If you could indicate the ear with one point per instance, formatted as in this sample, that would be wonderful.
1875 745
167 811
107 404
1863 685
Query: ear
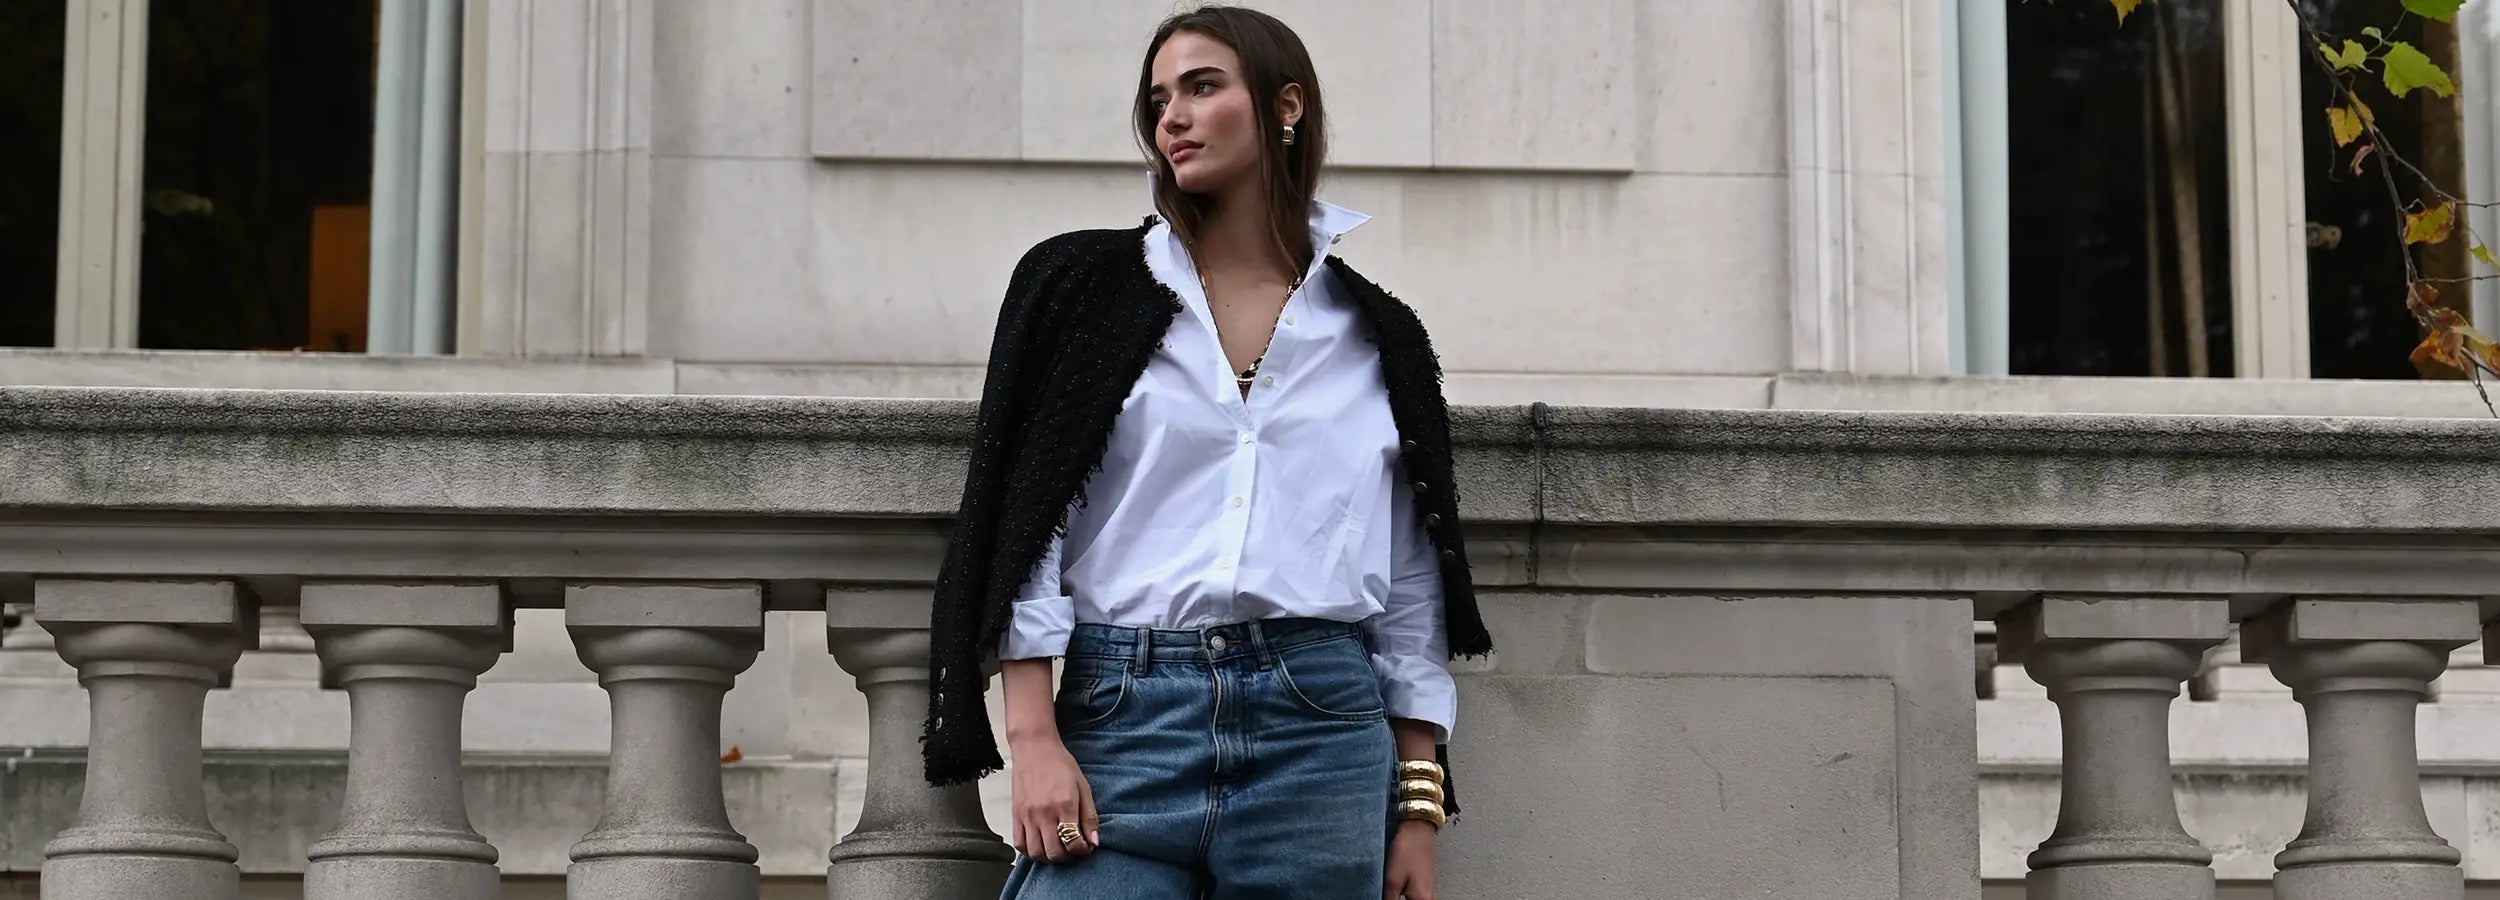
1289 105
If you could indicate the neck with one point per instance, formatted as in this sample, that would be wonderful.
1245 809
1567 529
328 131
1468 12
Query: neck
1237 236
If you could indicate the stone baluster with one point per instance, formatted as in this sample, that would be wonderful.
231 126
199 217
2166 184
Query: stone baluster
148 652
914 841
2113 666
2359 668
407 656
665 653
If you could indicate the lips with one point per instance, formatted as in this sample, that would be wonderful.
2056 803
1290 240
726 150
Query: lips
1182 150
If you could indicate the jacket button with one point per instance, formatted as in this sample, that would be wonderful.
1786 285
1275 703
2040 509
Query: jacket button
1432 520
1409 446
1449 555
1422 488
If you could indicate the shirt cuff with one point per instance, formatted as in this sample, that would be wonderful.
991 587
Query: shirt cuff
1040 628
1419 688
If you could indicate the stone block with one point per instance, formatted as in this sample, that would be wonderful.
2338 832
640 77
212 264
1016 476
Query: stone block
2447 624
734 259
64 601
1669 789
480 605
1711 88
1080 62
725 605
1516 86
731 79
1534 634
1652 255
929 80
2086 617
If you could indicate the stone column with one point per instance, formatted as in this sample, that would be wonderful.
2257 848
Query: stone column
914 841
407 656
147 652
2113 666
2359 667
665 653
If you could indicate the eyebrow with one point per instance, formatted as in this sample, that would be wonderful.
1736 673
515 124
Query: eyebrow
1158 87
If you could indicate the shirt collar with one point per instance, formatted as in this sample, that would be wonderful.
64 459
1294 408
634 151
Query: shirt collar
1329 221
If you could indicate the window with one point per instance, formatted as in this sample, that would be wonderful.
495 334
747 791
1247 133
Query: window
2358 324
2119 234
259 161
30 189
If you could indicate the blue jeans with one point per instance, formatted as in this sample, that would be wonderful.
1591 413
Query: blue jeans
1241 761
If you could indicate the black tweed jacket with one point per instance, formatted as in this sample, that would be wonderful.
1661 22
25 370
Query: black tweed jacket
1081 318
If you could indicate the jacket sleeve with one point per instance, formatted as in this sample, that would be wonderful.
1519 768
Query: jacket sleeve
957 744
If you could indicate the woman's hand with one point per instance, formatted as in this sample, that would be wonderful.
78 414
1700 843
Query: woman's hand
1048 787
1411 863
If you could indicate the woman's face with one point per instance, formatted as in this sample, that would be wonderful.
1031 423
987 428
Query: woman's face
1206 127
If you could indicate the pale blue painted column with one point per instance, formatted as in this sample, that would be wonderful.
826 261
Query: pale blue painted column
415 178
1980 157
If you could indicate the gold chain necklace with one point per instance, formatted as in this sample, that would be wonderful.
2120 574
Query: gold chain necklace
1251 374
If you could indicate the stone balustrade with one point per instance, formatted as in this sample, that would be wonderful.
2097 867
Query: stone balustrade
1735 646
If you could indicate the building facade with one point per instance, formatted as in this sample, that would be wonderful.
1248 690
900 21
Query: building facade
1802 211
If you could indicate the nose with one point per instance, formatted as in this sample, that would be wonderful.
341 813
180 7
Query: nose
1174 122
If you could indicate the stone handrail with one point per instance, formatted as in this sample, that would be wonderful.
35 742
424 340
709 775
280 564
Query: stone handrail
147 528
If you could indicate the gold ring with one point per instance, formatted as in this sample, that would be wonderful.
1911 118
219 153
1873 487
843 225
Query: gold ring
1069 832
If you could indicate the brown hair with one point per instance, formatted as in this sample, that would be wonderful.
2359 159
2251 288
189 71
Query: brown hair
1272 56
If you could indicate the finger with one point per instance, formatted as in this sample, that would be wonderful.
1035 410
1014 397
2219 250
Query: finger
1073 811
1089 817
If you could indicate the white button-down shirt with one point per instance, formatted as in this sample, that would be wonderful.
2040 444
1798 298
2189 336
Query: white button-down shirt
1212 508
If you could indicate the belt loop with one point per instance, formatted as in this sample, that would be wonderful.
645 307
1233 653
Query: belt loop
1145 650
1258 644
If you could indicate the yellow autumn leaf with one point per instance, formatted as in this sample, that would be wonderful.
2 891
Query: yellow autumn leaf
2484 253
2431 225
2345 123
2347 59
2125 7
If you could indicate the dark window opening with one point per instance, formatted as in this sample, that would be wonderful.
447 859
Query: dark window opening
2120 200
31 38
258 172
2359 326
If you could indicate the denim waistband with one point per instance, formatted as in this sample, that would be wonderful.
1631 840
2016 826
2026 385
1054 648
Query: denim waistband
1215 643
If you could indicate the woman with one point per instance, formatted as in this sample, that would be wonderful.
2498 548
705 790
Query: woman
1211 472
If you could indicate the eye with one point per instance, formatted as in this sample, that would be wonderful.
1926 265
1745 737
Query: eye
1160 103
1204 87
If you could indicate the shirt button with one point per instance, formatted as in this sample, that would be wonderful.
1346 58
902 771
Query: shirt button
1224 564
1288 320
1247 437
1269 380
1237 503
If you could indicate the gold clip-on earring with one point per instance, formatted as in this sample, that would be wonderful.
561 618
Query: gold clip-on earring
1288 135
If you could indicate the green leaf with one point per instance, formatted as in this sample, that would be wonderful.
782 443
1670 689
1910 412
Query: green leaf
2351 57
2408 68
2443 10
2484 253
2373 33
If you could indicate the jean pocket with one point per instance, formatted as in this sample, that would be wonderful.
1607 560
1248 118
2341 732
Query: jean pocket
1334 679
1089 698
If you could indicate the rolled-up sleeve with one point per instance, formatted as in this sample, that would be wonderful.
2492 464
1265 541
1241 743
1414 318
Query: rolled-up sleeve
1044 614
1410 646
